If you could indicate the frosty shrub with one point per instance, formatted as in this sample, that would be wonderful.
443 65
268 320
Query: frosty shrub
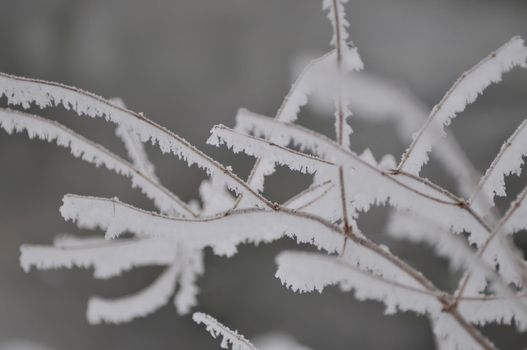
466 228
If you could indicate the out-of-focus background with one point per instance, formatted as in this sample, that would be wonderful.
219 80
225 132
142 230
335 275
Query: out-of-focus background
189 65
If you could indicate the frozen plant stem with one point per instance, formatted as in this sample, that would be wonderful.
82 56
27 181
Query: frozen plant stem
345 184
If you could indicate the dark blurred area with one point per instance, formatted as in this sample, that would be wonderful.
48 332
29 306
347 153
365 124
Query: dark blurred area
189 65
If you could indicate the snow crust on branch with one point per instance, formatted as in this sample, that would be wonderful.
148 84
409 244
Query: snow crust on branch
229 337
80 147
221 233
464 91
25 92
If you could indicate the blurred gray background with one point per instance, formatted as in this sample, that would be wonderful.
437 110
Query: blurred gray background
189 65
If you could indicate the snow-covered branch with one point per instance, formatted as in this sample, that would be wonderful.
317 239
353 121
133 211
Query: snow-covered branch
222 233
91 152
25 92
108 258
140 304
262 148
231 212
229 337
508 161
464 91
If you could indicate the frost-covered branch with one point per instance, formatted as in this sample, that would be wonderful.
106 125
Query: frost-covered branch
345 184
337 16
319 199
307 272
262 148
512 221
89 151
108 258
25 92
222 233
508 161
318 75
403 225
377 100
143 303
229 337
464 91
400 189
